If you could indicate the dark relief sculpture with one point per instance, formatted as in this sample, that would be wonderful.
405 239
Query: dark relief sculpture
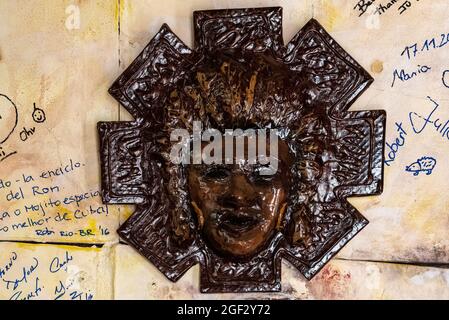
241 75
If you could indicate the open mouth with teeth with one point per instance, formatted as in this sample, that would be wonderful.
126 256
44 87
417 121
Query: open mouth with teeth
237 223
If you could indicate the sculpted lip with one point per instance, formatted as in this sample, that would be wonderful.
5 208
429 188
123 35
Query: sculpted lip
238 222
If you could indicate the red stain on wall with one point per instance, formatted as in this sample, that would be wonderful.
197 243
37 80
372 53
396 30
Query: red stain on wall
331 283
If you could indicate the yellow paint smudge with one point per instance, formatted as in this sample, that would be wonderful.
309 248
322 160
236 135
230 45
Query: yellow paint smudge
333 15
419 216
26 246
92 224
119 9
70 248
126 212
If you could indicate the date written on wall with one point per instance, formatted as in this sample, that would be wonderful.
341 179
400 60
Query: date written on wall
381 7
424 46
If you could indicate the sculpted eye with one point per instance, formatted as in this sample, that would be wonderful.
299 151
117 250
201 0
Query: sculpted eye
263 180
217 173
258 178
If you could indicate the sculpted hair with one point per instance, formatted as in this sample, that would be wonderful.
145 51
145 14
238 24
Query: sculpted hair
223 95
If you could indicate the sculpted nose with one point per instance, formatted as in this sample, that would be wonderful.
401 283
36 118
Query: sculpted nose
240 194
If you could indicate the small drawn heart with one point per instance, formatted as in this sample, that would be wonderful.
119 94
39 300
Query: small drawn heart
8 118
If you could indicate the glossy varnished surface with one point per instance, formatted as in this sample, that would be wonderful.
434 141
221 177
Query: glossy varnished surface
241 75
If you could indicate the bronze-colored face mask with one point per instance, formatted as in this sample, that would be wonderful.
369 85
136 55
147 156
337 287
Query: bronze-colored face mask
237 208
236 224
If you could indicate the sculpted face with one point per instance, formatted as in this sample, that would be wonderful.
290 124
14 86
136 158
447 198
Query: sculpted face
238 209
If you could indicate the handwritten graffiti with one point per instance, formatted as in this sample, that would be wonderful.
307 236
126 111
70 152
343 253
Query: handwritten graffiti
424 164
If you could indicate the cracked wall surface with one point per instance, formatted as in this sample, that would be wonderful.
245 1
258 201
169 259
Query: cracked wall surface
58 240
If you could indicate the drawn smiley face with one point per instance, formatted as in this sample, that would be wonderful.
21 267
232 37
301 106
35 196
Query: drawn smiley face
8 118
38 115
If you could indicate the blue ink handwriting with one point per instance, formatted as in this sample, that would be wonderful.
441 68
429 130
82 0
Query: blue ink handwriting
445 78
58 264
31 295
61 290
419 122
26 272
405 76
427 45
394 146
9 265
